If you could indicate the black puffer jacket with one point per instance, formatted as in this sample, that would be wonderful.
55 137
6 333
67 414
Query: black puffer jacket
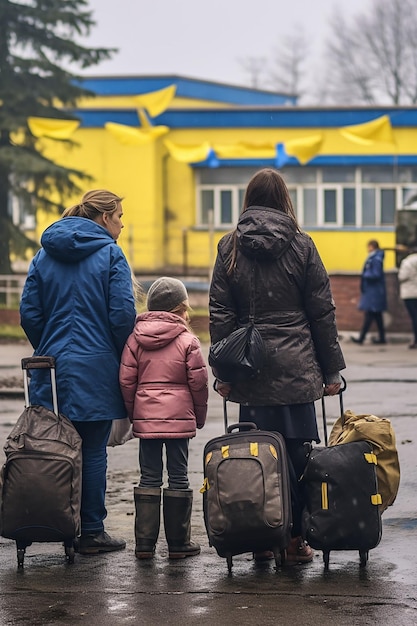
294 309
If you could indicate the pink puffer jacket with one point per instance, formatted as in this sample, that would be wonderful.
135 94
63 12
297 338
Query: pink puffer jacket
163 378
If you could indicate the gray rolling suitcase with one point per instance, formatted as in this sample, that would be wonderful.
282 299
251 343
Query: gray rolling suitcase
40 482
246 492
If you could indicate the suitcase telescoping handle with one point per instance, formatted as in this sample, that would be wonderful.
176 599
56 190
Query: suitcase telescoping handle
323 409
38 363
240 426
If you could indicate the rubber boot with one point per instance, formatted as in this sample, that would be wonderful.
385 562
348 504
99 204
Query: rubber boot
147 520
177 521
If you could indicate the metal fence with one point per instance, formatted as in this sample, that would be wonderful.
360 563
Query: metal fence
11 287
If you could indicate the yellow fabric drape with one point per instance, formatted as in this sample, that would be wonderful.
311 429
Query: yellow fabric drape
130 136
244 150
378 130
188 154
143 118
304 148
51 127
156 102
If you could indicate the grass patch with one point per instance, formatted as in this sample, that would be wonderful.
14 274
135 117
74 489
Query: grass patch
203 337
10 331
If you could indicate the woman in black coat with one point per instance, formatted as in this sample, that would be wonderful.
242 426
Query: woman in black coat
268 258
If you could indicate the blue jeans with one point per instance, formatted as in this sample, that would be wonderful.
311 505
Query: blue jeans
94 437
151 464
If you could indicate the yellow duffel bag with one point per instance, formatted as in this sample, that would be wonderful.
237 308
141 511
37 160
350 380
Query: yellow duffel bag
380 434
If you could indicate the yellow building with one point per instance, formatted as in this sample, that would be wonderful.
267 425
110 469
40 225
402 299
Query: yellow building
181 151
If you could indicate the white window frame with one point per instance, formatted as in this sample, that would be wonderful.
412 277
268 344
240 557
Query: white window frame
358 184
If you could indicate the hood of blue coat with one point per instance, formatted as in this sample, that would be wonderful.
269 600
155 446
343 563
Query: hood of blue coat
377 254
264 233
72 239
156 329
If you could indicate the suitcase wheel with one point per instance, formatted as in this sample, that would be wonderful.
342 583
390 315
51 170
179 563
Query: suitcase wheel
20 557
280 557
229 563
326 560
363 558
20 550
70 554
69 551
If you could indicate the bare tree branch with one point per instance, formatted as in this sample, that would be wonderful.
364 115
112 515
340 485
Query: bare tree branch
290 56
373 57
254 67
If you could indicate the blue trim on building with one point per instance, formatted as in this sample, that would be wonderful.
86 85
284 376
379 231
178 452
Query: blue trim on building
96 118
251 118
186 88
282 117
321 161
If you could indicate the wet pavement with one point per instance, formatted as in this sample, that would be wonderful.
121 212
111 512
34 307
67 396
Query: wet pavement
116 588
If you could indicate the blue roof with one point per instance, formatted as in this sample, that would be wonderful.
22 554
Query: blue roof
253 117
186 88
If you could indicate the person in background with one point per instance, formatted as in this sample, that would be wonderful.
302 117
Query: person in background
164 384
407 277
78 306
267 256
373 299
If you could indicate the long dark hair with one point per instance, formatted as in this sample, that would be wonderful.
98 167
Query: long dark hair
266 188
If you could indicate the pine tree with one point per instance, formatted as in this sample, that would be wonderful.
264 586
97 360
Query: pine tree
37 45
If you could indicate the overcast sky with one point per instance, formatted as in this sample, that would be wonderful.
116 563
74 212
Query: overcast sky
207 39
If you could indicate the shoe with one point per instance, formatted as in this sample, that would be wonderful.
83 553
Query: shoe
95 543
356 340
299 551
181 552
378 342
261 557
412 346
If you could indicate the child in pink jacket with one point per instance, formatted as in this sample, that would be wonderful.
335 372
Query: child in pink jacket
164 382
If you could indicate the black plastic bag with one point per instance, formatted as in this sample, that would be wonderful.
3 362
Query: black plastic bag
239 356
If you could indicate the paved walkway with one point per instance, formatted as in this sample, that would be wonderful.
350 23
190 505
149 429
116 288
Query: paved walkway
115 589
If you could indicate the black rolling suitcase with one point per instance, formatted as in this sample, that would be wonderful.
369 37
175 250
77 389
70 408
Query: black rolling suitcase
246 492
40 482
342 500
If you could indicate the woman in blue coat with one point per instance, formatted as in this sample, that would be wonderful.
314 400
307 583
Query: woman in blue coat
78 306
373 293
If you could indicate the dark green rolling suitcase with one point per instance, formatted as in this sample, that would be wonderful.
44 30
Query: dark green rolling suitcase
246 492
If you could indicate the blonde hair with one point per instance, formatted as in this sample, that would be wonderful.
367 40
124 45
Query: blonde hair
93 204
183 307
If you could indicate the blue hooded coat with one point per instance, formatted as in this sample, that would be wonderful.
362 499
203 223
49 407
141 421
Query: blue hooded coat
373 291
78 306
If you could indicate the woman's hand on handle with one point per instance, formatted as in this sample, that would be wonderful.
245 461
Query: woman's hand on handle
332 389
222 388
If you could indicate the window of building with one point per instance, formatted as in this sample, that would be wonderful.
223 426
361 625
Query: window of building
309 209
388 206
349 206
368 206
329 197
330 206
